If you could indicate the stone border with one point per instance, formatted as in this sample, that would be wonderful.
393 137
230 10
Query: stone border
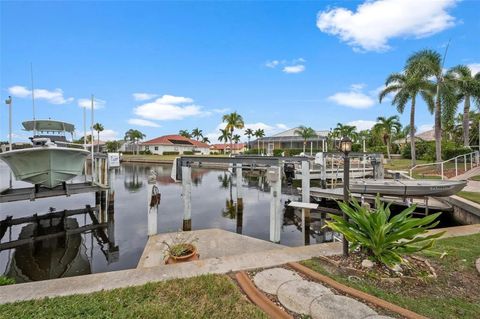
258 298
355 293
359 272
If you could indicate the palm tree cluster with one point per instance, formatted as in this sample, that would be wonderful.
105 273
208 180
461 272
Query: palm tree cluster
134 136
442 91
196 133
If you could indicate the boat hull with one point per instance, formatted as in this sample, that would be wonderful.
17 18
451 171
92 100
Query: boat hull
405 188
46 166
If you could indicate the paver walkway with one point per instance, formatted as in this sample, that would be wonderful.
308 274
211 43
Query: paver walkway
306 297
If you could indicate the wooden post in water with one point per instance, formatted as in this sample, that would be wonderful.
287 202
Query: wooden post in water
187 197
152 205
305 182
275 179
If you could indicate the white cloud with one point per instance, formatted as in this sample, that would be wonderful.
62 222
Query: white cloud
143 96
474 67
289 67
362 124
141 122
87 103
169 107
374 23
354 98
424 128
221 111
272 64
53 97
294 68
107 135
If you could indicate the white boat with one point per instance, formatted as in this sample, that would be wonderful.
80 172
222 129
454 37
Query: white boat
405 188
52 160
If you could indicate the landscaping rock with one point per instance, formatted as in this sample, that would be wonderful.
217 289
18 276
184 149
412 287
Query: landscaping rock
397 268
269 280
477 264
366 263
333 307
297 295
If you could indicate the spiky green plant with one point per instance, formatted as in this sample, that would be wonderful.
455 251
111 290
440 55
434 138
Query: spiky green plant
384 238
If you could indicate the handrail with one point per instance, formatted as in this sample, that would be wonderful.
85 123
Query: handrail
471 154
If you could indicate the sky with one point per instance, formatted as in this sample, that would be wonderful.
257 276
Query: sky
163 66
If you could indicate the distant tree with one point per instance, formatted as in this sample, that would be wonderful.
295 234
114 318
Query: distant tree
305 133
236 138
205 140
98 128
185 133
134 136
112 146
233 121
388 126
197 133
249 133
344 130
259 133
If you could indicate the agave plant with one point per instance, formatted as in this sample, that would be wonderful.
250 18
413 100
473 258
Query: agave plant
384 238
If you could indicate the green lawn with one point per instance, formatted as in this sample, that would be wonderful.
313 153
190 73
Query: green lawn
153 157
455 293
402 164
209 296
475 178
473 196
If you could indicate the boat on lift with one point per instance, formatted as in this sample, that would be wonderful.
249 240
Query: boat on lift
407 188
52 160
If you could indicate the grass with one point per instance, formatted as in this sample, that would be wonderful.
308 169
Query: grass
473 196
475 178
208 296
454 294
402 164
156 157
4 280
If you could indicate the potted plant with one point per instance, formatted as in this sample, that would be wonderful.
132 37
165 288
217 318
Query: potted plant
180 249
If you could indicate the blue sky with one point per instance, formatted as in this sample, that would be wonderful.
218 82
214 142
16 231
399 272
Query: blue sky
164 66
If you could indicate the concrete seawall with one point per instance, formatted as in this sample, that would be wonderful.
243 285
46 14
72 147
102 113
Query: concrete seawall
464 211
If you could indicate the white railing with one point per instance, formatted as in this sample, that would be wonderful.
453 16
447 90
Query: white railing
453 165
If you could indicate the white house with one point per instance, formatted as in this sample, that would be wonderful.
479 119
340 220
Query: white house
175 143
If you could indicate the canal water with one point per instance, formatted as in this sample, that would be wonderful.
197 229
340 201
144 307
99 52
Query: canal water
212 195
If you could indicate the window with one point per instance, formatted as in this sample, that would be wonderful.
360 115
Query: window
156 148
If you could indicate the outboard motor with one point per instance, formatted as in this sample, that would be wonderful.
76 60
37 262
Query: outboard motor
289 170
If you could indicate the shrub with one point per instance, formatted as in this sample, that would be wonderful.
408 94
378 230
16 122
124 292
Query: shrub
4 280
146 152
383 238
188 153
170 153
277 152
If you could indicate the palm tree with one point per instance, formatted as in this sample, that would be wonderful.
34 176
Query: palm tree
197 133
236 138
305 133
205 140
233 121
468 86
426 64
344 130
185 133
224 137
98 128
388 126
259 133
249 132
406 86
134 136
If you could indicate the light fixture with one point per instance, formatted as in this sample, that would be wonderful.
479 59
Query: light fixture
346 145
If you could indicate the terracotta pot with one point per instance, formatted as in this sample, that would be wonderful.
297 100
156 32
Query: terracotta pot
181 259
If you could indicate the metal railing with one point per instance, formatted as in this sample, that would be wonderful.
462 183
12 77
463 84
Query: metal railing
451 167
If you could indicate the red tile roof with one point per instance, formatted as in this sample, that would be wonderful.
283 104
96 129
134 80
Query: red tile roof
221 147
174 140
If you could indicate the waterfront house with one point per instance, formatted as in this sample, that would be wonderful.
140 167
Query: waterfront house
225 148
175 144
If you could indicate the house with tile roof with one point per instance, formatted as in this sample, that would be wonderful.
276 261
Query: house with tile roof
175 143
225 148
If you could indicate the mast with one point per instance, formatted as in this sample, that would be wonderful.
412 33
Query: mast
9 103
33 99
91 141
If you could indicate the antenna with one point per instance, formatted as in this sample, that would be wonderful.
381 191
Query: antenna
33 99
445 53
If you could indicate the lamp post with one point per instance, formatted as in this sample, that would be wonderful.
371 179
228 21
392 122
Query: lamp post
346 147
9 103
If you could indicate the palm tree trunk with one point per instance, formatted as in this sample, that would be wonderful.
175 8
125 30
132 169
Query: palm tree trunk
466 122
98 141
412 132
388 148
258 146
304 142
438 126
